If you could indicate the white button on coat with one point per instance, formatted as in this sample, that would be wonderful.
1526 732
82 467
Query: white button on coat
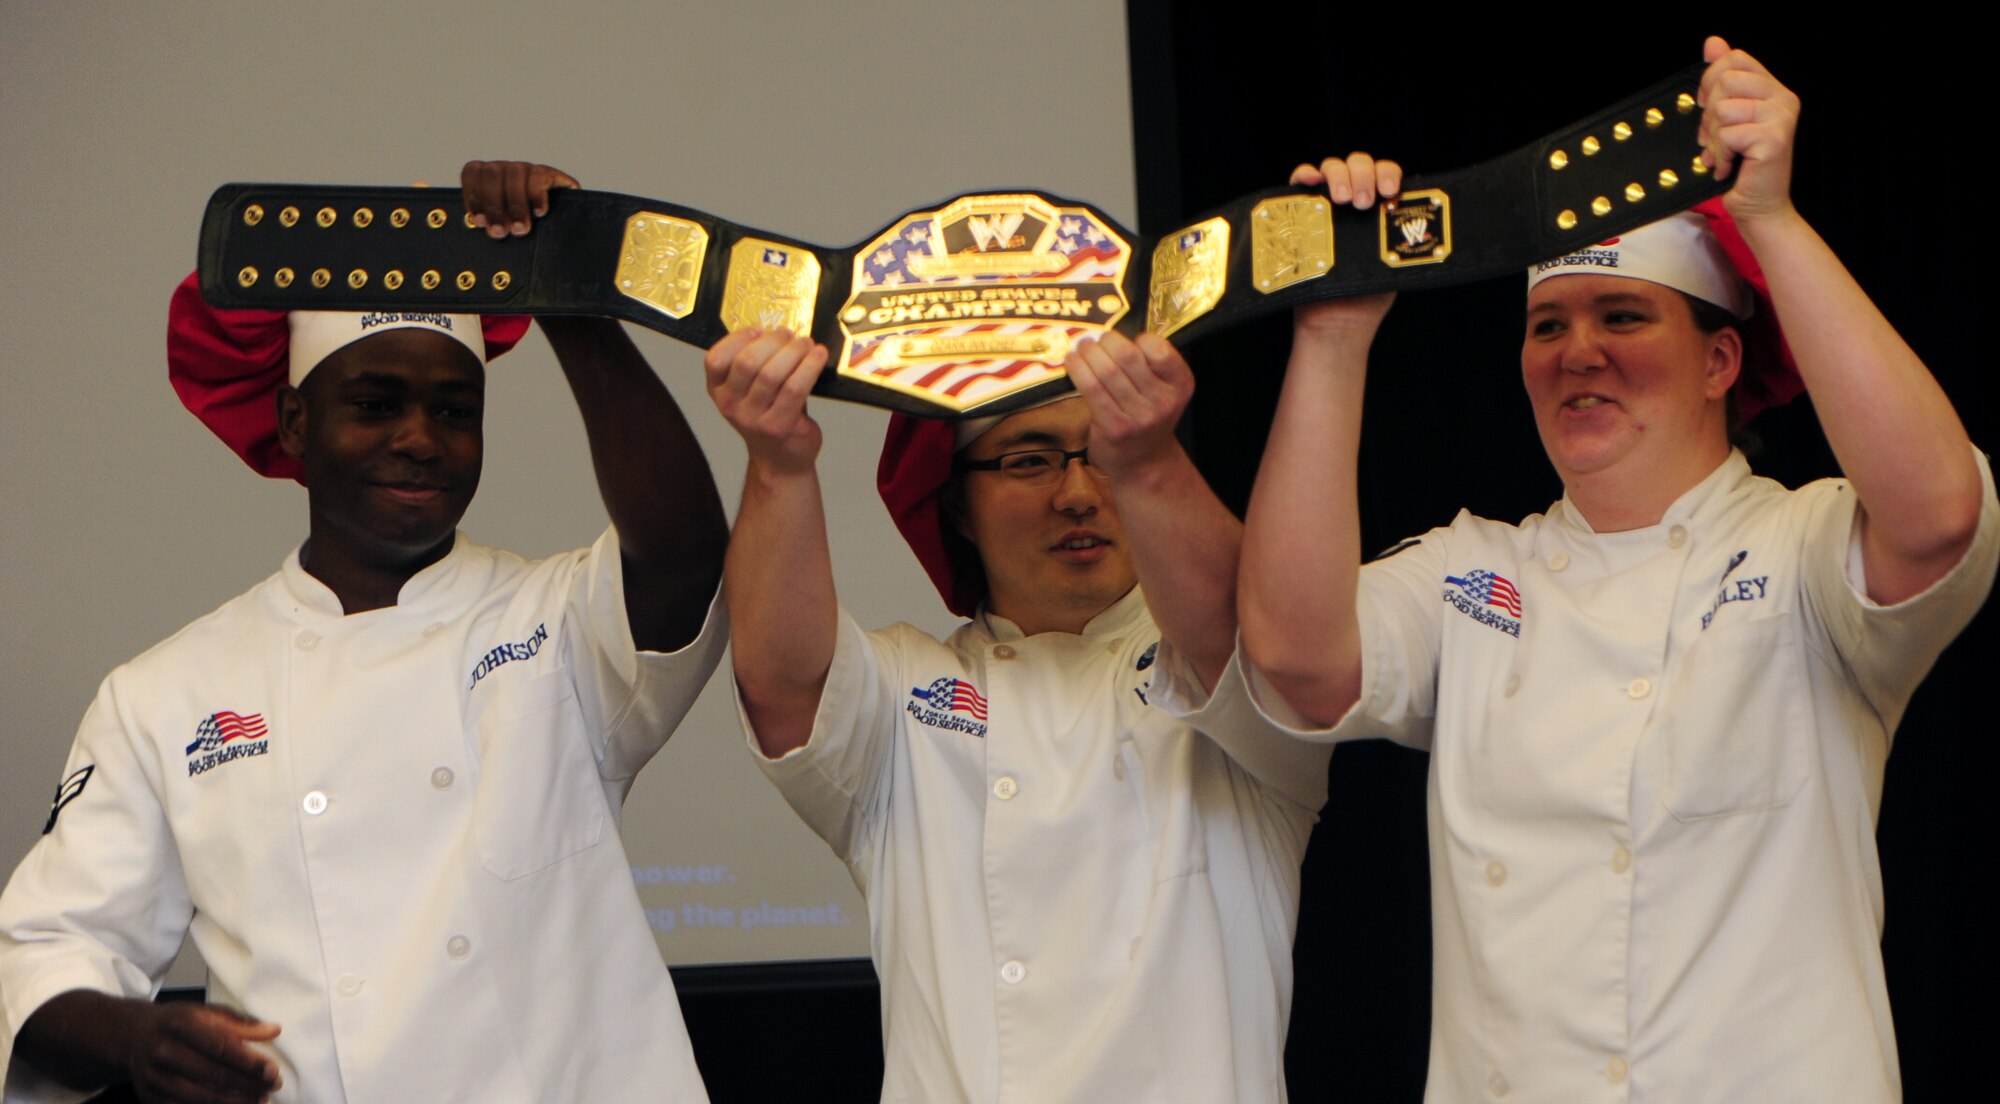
1012 972
314 804
1496 873
1638 688
348 986
1621 860
458 946
1003 651
441 778
307 640
1497 1084
1614 1071
1005 788
1677 536
1558 561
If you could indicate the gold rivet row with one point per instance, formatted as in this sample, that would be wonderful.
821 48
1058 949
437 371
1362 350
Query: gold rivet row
393 279
1622 131
247 277
363 217
253 214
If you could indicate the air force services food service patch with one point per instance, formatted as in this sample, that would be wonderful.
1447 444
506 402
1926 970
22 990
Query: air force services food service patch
1486 598
952 704
225 737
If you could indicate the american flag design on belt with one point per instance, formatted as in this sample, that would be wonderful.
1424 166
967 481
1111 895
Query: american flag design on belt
1485 586
1084 255
954 694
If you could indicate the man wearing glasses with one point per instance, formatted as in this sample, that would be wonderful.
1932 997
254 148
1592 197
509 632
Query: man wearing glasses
1073 895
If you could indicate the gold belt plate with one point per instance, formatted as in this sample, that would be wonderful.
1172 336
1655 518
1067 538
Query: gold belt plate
980 298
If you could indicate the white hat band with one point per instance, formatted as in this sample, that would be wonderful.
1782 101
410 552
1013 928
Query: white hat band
1679 252
317 335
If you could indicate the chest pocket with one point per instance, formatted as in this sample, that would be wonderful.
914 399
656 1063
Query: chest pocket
1736 732
538 801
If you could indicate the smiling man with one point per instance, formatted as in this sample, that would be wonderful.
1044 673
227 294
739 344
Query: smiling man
381 789
1072 894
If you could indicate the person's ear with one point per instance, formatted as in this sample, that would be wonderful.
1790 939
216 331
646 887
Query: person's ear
1725 362
291 420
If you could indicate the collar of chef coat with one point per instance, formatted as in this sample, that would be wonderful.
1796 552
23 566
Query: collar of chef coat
1713 488
429 585
1117 618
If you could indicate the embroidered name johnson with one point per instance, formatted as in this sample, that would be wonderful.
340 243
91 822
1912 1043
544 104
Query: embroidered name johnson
508 653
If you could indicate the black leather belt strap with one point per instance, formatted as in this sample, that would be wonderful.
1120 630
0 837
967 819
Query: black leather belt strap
966 308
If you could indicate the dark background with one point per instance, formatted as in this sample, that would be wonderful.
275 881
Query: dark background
1226 98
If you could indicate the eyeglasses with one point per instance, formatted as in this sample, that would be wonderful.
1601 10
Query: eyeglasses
1036 467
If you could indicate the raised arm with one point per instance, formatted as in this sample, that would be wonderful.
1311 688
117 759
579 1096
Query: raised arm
1897 438
783 614
650 469
1302 538
1184 540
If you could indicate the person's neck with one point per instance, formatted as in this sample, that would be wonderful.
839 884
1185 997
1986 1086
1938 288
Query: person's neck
1637 493
361 582
1050 619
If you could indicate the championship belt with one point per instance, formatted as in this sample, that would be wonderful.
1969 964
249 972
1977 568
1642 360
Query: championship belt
967 308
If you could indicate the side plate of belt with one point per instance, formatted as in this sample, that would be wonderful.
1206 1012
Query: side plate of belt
969 307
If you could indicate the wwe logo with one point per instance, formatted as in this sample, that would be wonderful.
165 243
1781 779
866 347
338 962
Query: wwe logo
995 231
1416 230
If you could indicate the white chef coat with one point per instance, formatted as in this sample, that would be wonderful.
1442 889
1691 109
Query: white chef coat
408 854
1653 791
1072 895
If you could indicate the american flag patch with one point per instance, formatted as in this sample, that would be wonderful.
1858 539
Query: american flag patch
220 728
1485 586
954 694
